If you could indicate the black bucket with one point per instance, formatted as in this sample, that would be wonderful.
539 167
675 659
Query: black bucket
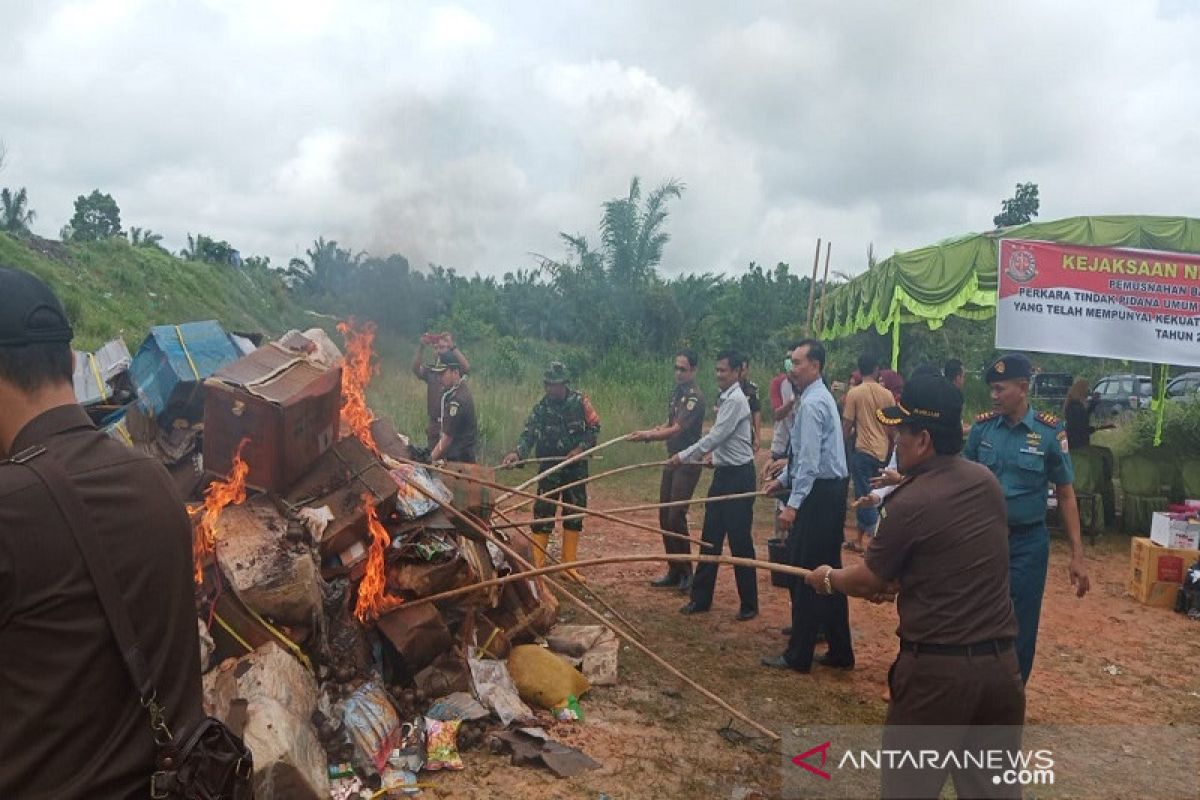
777 554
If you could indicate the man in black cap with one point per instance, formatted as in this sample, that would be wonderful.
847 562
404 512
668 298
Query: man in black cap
943 545
456 422
73 725
1027 451
443 345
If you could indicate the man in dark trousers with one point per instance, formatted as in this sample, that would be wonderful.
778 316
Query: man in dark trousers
72 724
943 543
733 456
459 428
443 345
816 479
685 422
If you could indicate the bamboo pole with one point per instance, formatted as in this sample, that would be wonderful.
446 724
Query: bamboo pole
599 617
645 507
564 463
592 592
824 288
525 461
799 572
558 503
589 479
812 290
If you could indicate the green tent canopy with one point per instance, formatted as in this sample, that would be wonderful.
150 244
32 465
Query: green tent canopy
958 276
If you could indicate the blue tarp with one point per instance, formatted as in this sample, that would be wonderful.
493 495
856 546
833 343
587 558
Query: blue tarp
171 364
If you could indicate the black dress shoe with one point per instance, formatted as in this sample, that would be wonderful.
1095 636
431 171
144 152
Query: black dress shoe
685 583
746 614
692 608
666 581
826 661
779 662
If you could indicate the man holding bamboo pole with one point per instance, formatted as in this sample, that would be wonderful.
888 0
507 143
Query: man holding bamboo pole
733 457
685 421
561 425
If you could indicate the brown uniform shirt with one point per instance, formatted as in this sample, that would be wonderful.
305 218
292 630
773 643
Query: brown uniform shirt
459 423
71 725
687 408
943 534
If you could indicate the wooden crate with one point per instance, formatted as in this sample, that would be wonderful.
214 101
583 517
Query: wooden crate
1156 572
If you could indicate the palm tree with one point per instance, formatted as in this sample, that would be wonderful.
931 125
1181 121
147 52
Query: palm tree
144 237
633 236
15 214
326 269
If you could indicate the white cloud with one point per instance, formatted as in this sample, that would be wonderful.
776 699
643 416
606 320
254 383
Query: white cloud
469 134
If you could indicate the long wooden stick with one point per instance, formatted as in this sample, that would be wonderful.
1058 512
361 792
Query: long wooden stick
558 503
824 288
600 617
560 465
812 289
544 459
591 592
734 561
589 479
645 507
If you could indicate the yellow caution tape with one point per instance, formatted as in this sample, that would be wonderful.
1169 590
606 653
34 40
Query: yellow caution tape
283 639
96 373
229 629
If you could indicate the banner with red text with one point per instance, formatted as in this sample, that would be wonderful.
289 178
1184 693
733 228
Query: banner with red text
1110 302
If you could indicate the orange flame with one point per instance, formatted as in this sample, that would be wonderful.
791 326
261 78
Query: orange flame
356 375
219 494
373 601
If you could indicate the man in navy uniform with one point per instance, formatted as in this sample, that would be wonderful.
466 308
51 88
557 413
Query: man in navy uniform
1027 451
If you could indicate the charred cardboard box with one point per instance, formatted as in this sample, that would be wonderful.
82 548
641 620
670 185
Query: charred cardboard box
283 402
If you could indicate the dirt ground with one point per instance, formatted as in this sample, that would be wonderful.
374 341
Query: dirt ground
1105 659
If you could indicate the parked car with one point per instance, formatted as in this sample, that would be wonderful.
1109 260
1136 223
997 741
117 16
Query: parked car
1185 387
1118 394
1048 390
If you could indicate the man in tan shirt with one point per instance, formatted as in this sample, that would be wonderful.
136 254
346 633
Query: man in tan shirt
872 441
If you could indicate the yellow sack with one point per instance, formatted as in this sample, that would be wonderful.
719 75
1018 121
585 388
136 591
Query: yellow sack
544 678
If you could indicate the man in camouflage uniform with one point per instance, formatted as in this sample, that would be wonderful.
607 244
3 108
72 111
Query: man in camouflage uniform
561 425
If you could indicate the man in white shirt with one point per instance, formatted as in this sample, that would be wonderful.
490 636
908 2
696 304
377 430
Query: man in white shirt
733 456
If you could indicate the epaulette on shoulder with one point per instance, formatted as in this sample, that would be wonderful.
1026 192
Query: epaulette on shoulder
985 416
1046 418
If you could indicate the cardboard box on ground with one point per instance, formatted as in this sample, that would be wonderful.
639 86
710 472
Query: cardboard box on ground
319 686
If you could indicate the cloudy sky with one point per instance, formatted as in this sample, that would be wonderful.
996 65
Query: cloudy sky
470 134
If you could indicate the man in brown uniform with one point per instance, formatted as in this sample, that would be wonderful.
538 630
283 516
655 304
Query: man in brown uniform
943 543
71 725
443 344
459 428
685 421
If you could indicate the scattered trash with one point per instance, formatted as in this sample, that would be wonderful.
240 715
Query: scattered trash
441 745
373 725
460 706
496 690
530 746
569 711
591 648
1112 669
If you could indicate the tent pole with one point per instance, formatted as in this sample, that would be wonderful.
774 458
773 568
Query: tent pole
824 288
1160 400
896 343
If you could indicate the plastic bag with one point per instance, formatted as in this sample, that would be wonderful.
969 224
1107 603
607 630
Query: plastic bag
373 724
569 711
410 502
441 745
495 689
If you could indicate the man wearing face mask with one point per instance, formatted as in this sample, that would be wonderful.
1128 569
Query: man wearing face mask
942 541
1027 451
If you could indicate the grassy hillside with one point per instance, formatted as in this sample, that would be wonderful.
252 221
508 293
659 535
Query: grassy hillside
112 288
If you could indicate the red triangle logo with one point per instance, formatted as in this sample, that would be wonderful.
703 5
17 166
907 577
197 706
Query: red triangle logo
802 760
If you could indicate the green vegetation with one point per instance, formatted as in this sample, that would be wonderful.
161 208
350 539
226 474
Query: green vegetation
113 288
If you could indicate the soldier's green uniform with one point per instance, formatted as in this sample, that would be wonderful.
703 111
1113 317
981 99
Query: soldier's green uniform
1027 458
555 428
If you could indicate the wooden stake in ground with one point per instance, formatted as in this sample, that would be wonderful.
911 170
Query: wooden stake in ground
589 479
564 463
657 659
558 503
812 290
824 288
643 507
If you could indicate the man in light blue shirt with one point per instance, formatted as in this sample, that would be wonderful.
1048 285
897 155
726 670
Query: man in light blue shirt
816 479
733 457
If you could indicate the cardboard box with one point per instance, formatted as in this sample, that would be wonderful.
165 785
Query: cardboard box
1156 572
1179 534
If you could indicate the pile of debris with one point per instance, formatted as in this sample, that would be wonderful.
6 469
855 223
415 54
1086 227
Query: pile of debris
315 536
